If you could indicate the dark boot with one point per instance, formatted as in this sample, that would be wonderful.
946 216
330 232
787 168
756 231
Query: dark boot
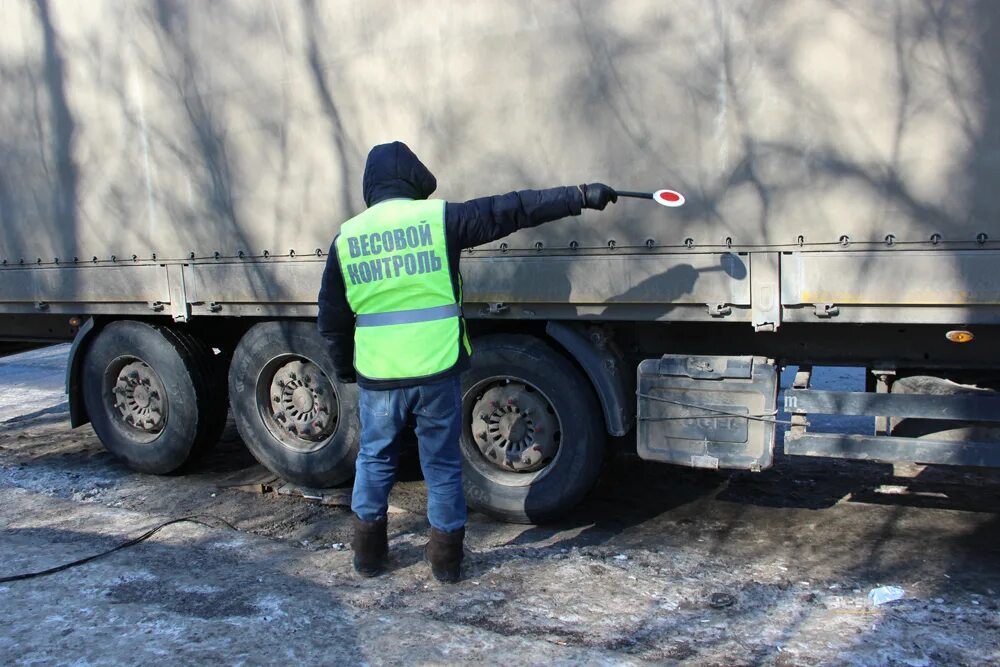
371 546
444 553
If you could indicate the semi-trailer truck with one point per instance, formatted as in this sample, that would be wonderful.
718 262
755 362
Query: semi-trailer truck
172 173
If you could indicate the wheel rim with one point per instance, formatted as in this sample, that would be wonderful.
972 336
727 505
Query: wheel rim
297 402
136 399
513 431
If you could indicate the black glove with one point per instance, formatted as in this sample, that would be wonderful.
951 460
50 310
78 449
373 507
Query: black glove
597 195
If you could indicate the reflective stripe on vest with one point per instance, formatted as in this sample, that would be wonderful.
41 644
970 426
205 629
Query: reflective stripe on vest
394 261
408 316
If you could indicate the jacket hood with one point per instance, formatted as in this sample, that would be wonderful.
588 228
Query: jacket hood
393 171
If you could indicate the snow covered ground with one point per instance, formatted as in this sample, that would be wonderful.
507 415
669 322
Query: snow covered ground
659 565
32 381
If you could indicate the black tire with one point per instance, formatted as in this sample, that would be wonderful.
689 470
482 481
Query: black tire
541 495
262 352
194 389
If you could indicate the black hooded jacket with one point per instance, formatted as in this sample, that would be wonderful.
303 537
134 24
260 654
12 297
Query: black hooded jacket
394 172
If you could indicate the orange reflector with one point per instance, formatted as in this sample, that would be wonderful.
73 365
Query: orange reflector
959 336
74 321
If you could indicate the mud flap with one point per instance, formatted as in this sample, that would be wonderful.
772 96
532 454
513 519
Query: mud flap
708 411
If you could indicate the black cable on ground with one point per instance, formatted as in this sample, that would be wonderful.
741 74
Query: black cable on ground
197 519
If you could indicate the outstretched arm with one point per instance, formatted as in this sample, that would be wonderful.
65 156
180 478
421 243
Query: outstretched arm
336 319
487 219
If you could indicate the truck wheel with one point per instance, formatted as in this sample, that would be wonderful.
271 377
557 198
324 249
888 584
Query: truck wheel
532 437
152 394
293 416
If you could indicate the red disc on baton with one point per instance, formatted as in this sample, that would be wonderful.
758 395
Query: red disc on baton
670 198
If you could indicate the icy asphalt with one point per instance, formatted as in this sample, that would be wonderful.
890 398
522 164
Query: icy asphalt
659 566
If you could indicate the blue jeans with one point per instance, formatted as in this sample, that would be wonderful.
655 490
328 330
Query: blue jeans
438 410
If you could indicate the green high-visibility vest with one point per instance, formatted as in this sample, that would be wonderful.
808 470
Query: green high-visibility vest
394 260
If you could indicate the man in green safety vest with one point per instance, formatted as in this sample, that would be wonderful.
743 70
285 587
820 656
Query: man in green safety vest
391 309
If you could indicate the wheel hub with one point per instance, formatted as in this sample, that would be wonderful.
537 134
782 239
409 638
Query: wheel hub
303 401
515 427
140 398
